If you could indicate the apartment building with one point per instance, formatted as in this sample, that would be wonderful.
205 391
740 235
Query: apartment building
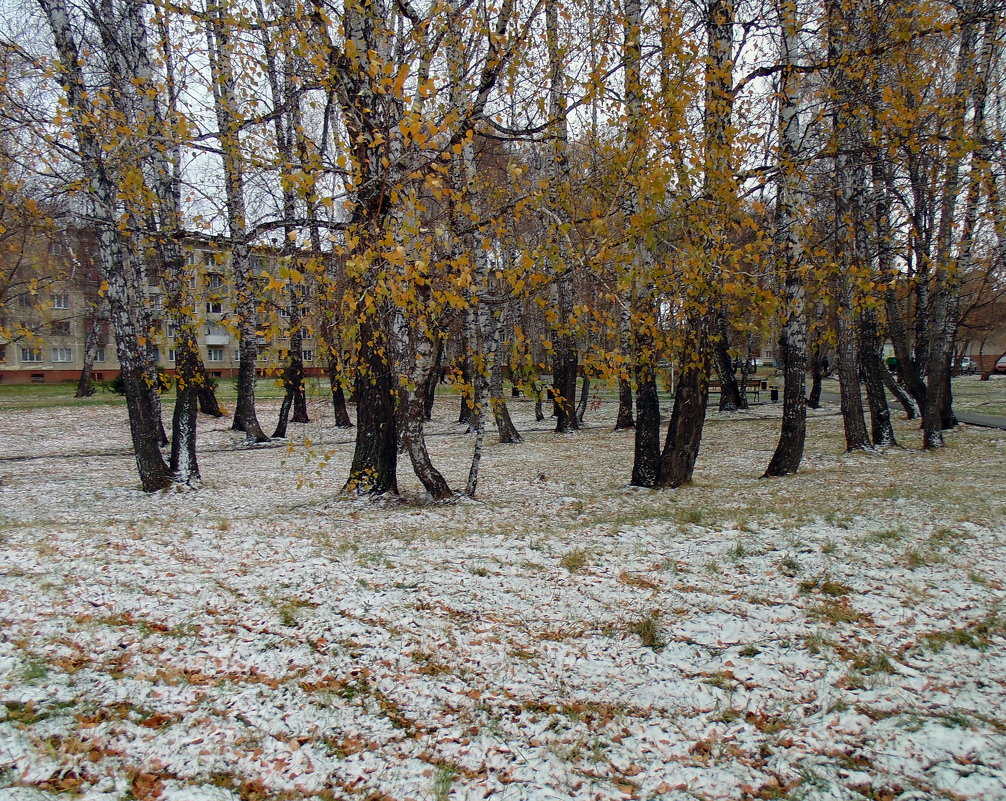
48 319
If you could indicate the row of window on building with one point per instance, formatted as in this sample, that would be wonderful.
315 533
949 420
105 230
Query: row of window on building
214 353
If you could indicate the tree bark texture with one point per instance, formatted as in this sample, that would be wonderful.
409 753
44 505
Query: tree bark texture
871 350
684 431
144 424
793 337
245 306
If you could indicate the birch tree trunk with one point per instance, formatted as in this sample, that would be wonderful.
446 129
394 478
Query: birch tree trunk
793 337
971 88
102 198
245 301
564 357
646 451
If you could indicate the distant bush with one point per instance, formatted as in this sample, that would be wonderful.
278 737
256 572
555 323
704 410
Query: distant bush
118 386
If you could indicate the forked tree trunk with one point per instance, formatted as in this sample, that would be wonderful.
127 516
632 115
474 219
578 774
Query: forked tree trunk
872 353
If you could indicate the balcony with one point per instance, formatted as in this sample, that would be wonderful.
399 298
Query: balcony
218 339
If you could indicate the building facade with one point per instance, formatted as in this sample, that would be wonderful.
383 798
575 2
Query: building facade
47 323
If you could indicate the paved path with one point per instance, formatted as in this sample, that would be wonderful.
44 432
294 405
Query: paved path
972 419
987 420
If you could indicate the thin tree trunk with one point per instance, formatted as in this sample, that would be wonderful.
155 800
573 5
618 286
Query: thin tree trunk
624 419
904 397
208 403
539 390
508 433
872 353
433 380
844 237
817 377
339 407
581 406
85 388
971 87
225 104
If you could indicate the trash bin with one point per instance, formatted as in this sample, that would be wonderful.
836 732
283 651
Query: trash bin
775 394
515 393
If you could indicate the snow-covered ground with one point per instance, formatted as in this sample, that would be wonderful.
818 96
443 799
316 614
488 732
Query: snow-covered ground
839 634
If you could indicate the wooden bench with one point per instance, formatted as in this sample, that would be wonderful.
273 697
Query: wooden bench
754 387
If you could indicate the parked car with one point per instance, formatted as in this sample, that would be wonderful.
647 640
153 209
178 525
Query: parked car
1001 365
967 365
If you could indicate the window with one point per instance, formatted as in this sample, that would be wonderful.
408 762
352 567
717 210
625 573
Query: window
99 355
215 330
172 329
60 327
24 300
62 354
3 353
214 354
171 354
307 355
214 307
60 300
214 281
31 354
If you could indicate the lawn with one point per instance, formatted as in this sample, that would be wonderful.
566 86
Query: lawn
838 634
